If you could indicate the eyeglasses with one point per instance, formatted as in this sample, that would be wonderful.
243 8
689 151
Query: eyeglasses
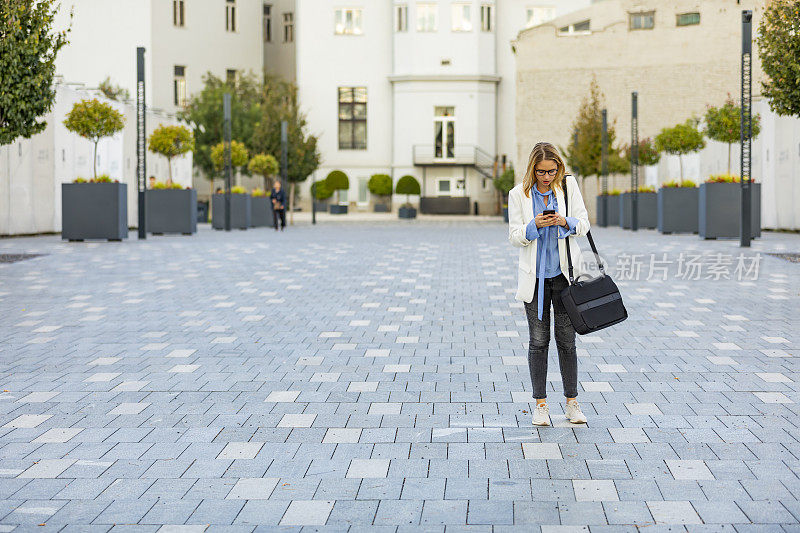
550 173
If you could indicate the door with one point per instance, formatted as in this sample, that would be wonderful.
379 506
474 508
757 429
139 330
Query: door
444 133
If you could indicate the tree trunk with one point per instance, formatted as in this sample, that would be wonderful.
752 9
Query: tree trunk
680 161
169 167
94 159
729 159
291 202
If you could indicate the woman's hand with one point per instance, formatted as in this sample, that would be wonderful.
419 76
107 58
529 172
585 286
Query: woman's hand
548 220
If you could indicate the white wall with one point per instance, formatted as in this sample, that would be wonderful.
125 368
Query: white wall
103 41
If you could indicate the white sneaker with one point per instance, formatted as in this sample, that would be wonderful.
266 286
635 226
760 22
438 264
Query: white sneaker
574 413
541 415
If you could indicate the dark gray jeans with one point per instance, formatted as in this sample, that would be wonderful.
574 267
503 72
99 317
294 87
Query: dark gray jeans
540 339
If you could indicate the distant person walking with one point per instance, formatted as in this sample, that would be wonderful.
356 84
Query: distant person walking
278 205
539 225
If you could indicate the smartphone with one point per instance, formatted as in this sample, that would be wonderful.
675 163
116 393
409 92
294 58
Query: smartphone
549 212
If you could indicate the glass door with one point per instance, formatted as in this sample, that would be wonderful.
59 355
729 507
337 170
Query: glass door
444 133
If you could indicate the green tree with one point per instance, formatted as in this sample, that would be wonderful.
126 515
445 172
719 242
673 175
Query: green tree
407 185
204 112
320 190
648 153
584 156
264 165
93 120
114 92
171 141
217 156
778 43
680 140
723 124
337 181
504 183
278 103
28 49
380 185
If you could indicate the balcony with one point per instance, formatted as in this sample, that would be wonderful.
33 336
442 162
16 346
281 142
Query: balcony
462 155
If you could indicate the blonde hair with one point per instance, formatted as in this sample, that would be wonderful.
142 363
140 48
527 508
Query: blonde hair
540 152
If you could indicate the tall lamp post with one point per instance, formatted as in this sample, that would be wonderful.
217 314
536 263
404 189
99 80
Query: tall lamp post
746 128
226 110
634 160
604 163
141 149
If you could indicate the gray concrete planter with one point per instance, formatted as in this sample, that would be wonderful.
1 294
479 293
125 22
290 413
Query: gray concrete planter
720 207
407 212
260 211
609 217
94 211
381 208
240 211
321 207
645 213
505 214
677 209
337 209
171 211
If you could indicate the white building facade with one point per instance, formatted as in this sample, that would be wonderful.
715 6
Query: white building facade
422 88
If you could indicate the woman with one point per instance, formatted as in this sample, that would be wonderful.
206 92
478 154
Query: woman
542 268
278 205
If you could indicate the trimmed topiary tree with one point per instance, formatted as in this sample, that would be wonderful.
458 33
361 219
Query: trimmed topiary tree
238 157
381 186
723 124
680 140
407 185
93 120
321 191
337 181
265 165
171 141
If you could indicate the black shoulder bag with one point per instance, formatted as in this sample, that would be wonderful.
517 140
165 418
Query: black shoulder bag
593 304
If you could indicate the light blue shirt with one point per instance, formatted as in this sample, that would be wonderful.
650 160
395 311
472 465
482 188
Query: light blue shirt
547 260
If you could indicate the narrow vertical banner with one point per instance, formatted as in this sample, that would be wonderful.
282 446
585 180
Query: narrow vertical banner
746 128
141 146
634 161
604 161
226 111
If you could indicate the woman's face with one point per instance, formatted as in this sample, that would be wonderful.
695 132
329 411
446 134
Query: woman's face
542 167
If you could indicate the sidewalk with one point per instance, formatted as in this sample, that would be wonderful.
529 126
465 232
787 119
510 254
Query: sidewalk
372 376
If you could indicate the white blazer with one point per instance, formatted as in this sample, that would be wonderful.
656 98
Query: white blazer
520 213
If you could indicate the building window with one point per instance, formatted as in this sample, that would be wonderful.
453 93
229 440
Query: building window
178 13
688 19
642 21
352 118
462 17
179 86
231 76
349 22
288 27
230 15
267 20
487 14
579 28
426 17
401 22
538 15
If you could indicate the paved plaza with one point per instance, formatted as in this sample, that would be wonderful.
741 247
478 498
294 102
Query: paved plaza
371 375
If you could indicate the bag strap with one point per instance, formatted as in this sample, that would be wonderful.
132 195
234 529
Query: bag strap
588 234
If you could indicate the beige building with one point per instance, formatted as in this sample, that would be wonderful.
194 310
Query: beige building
679 55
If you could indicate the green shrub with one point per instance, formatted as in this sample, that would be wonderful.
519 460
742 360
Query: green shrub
93 120
407 185
236 189
321 191
380 185
725 178
676 183
337 180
